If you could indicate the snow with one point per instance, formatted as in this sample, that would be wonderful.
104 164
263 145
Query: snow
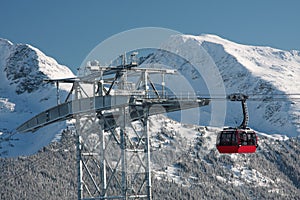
16 108
171 174
277 137
221 179
30 143
243 174
279 67
6 106
210 135
260 72
229 68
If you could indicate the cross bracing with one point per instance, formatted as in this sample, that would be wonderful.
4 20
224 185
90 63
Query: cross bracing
111 114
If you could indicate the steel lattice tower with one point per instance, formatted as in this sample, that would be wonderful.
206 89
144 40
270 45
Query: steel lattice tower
112 129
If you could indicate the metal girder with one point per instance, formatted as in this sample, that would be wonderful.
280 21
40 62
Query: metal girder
112 128
124 155
97 104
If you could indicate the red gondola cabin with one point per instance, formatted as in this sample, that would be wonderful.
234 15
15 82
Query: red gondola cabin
233 140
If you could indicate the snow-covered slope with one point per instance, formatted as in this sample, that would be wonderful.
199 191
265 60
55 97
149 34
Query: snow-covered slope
241 68
187 156
183 156
184 164
23 94
263 73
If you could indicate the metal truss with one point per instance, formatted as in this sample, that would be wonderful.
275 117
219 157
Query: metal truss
113 160
111 119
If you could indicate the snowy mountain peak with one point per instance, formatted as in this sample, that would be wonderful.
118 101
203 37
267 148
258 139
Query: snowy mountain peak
23 94
242 68
185 163
262 72
214 39
26 67
5 42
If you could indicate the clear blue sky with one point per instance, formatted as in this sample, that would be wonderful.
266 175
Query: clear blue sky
69 29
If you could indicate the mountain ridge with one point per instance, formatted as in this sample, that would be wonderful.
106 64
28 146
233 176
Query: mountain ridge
268 117
261 72
186 164
23 94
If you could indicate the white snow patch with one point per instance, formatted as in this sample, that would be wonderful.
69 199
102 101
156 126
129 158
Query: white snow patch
274 136
221 179
243 174
171 173
6 106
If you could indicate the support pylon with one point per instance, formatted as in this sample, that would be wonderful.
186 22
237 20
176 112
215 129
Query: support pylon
112 129
118 167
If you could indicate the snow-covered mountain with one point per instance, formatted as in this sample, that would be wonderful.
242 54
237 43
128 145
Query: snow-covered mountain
23 94
260 71
185 165
185 162
268 75
247 69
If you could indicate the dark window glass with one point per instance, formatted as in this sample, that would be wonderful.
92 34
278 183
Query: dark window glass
243 138
248 138
228 138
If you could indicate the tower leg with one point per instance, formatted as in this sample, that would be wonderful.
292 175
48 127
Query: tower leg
103 161
123 154
79 165
147 148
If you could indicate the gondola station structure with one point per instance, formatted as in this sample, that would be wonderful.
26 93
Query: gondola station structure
111 104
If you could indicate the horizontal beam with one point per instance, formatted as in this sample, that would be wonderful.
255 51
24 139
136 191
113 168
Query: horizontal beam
105 71
110 105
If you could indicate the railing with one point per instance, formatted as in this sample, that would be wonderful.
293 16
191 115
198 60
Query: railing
162 94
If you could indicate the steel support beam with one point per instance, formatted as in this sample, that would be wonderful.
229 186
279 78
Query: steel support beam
112 128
